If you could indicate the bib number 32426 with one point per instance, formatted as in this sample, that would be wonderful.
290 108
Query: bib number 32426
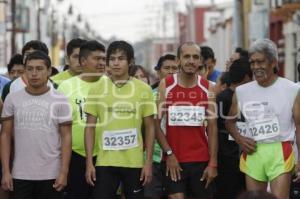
120 140
186 115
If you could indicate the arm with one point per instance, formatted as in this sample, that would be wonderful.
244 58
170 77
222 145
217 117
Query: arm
149 141
66 148
247 144
211 170
89 140
6 138
296 115
172 166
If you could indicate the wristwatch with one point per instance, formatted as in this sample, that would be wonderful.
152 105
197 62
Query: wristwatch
169 152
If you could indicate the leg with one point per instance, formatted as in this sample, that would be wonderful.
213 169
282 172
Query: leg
107 183
196 188
280 186
44 190
23 189
77 187
255 185
176 196
155 189
132 185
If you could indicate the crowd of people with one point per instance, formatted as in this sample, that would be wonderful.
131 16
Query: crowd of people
100 130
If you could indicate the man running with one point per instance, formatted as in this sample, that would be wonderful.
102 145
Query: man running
271 107
190 159
120 104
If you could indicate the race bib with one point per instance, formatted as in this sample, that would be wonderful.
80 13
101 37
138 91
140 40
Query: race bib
186 115
120 140
264 129
242 129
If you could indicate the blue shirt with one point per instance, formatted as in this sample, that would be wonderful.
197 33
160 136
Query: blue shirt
214 76
3 82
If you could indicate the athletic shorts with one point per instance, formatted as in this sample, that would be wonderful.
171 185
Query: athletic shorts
155 188
268 161
108 180
35 189
190 183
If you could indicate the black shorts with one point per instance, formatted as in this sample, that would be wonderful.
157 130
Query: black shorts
77 187
155 188
190 183
108 180
35 189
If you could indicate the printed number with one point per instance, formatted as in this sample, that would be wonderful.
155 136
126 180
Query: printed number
275 127
268 128
119 141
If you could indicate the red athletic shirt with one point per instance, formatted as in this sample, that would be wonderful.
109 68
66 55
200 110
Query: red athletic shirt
189 143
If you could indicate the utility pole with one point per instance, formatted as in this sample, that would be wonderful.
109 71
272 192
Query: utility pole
192 21
13 31
238 33
38 20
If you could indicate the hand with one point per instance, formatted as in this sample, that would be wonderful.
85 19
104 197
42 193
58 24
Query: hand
146 174
60 182
90 174
247 144
297 173
209 174
173 167
7 182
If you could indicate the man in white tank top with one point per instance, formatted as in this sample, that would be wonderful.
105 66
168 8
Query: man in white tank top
271 108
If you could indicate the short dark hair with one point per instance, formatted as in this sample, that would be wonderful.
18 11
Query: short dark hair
74 43
88 47
39 55
207 52
162 59
122 46
239 69
225 78
243 53
16 59
36 45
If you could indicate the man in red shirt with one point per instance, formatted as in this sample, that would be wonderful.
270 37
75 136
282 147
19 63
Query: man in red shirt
190 143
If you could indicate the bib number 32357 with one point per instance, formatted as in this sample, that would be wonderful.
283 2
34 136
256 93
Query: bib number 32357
186 115
120 139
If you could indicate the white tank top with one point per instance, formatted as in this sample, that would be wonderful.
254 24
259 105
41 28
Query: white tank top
276 101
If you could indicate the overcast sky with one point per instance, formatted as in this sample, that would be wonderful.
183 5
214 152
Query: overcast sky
126 19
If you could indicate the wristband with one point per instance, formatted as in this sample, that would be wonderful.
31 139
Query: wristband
212 165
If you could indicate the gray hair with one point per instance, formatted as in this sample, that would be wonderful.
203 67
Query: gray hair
266 47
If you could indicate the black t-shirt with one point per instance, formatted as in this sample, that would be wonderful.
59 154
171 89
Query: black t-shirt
228 151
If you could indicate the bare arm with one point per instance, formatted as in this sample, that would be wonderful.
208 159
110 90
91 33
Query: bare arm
247 144
146 174
66 149
212 130
6 138
89 140
296 115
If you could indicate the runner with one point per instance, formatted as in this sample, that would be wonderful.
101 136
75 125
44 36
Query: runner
209 60
92 60
271 107
230 181
38 119
15 67
190 159
121 104
72 60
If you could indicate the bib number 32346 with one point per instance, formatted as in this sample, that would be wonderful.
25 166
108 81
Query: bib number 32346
120 139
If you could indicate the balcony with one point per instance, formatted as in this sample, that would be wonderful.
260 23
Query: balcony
285 8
